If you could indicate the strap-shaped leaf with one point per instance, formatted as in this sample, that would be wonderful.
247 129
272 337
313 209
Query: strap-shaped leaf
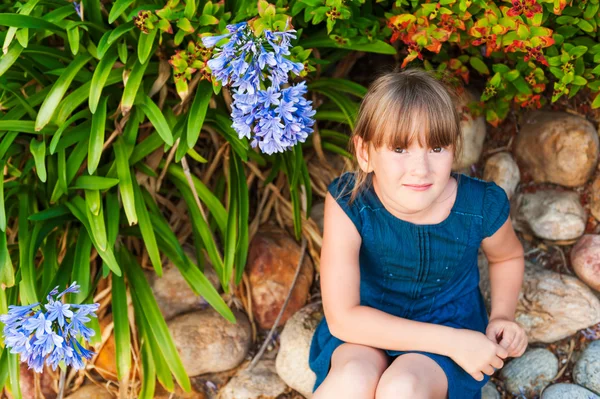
125 182
97 133
117 9
94 183
156 322
132 86
157 119
121 327
146 229
58 90
99 79
197 112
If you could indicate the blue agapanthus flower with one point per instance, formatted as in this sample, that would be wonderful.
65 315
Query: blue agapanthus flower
275 118
51 336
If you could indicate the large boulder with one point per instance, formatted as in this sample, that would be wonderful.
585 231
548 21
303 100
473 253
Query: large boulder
557 147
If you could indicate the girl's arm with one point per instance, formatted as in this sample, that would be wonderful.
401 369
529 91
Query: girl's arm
507 266
340 290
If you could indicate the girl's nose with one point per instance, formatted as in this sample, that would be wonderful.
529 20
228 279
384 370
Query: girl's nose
420 165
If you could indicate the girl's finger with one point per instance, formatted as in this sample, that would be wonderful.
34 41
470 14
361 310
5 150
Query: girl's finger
489 370
508 337
497 363
477 376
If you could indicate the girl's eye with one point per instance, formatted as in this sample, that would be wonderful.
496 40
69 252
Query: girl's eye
399 150
438 149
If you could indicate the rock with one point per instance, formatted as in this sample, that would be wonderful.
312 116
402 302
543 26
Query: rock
473 134
587 369
262 382
568 391
489 391
550 214
90 391
503 170
292 358
551 306
530 373
595 198
272 259
316 214
174 295
162 393
27 382
208 343
585 258
557 147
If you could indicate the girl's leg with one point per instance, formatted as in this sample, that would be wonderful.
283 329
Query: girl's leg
354 373
413 376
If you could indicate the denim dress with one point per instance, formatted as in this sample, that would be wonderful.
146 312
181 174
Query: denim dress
426 273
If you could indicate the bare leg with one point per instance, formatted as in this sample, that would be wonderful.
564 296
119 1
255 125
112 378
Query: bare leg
355 371
413 376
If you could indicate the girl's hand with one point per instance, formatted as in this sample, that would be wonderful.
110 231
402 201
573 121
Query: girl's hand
508 335
476 354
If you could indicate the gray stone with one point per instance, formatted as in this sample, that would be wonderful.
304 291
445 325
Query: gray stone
473 134
207 343
568 391
174 295
550 214
489 391
262 382
530 373
502 169
587 369
292 358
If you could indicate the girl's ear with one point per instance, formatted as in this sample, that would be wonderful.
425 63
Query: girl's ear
362 155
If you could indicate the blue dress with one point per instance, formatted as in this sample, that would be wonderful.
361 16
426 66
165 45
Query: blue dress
426 273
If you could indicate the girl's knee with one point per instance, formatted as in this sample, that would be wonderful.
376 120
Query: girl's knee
404 385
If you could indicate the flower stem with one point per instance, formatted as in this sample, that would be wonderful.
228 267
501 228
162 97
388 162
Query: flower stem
61 382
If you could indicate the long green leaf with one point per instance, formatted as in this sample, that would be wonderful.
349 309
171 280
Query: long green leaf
99 79
97 133
94 183
156 322
146 229
10 57
145 44
38 150
28 277
121 327
26 21
117 9
7 272
81 266
157 119
58 91
197 113
343 85
132 86
125 182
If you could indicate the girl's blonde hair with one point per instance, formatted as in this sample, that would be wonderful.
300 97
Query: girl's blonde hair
399 106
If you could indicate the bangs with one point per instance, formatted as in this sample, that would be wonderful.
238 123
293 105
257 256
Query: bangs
396 113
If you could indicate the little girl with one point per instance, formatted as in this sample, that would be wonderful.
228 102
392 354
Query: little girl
404 317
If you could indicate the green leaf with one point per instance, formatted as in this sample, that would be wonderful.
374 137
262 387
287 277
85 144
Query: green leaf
121 327
145 44
132 86
117 9
157 119
58 91
125 182
479 65
99 79
96 220
197 112
81 266
577 51
73 38
97 133
596 102
10 57
7 272
38 150
146 229
141 290
26 21
94 183
347 106
190 8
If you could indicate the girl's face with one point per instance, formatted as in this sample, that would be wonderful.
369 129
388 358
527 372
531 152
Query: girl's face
410 180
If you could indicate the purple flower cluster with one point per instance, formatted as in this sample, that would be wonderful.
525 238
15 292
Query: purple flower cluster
256 68
50 335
